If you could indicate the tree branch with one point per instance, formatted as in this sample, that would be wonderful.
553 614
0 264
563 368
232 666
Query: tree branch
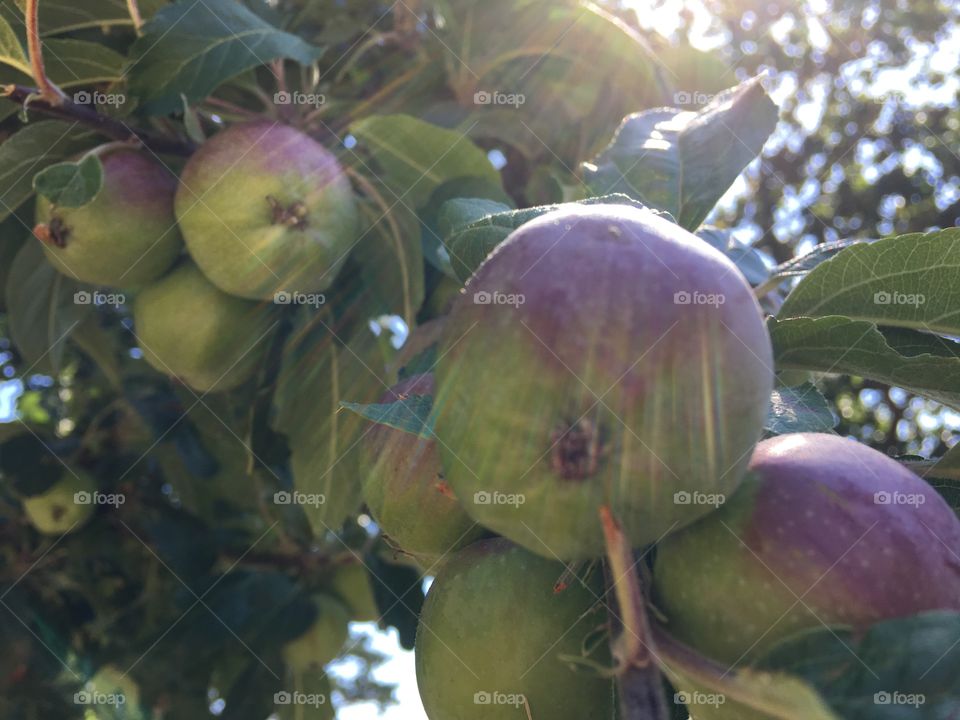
110 127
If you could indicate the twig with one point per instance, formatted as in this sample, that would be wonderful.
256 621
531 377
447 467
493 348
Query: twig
639 683
135 15
47 90
110 127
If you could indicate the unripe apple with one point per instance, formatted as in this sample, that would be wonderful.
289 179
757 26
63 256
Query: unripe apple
266 209
126 236
351 583
824 531
492 632
189 329
405 490
58 509
323 640
600 355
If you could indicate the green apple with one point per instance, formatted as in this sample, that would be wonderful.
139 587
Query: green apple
265 209
63 507
323 640
191 330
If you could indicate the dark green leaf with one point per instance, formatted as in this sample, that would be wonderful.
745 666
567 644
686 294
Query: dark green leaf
922 363
29 151
908 281
412 414
799 409
70 184
683 162
904 669
416 157
190 48
60 16
41 307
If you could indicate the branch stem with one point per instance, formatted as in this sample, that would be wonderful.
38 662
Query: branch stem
47 90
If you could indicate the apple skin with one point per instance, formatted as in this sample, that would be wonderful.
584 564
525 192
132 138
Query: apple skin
809 522
493 623
405 490
230 194
127 235
683 388
189 329
323 640
54 512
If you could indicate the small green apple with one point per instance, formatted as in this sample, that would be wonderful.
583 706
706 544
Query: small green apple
191 330
64 507
323 640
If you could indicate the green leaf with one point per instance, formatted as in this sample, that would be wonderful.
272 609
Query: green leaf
683 162
68 62
73 63
805 263
799 409
317 373
12 49
416 156
411 415
60 16
748 260
29 151
908 281
899 669
70 184
921 363
41 308
470 237
943 474
746 693
190 48
390 256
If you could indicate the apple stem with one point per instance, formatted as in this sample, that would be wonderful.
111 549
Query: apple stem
639 682
47 90
134 9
